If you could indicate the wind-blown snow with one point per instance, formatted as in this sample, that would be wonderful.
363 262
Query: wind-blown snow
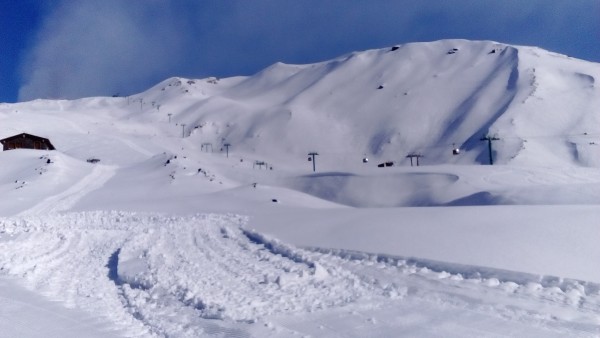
173 233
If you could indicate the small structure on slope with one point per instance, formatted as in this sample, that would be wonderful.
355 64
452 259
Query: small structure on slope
26 141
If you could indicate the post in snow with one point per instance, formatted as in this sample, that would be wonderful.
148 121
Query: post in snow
411 158
312 158
490 139
227 145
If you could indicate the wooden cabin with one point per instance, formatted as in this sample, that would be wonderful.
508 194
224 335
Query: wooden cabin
26 141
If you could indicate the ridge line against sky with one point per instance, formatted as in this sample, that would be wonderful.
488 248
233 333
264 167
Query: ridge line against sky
77 48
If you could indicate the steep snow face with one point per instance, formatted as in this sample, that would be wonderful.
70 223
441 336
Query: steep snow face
558 117
385 102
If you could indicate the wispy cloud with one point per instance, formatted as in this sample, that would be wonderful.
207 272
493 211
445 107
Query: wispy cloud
92 47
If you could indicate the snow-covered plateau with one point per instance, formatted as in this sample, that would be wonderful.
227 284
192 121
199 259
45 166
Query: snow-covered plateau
190 210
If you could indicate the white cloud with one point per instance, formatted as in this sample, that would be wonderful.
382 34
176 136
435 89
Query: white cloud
98 47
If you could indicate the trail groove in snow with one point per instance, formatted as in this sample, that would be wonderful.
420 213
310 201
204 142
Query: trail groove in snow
99 175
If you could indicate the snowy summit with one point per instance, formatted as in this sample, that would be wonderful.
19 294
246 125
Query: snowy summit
447 188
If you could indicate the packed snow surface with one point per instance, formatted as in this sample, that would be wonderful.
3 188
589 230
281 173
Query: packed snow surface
190 209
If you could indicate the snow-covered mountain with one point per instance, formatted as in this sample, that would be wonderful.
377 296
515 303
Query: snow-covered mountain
199 180
416 98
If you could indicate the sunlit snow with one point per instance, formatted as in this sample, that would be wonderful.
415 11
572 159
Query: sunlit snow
203 216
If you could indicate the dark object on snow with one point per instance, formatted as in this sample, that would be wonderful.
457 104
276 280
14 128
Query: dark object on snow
365 160
455 151
48 161
260 164
274 200
386 164
380 87
93 160
452 51
395 48
26 141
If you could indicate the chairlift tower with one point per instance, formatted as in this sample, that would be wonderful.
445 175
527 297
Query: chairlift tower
206 145
411 158
259 164
312 158
227 145
490 139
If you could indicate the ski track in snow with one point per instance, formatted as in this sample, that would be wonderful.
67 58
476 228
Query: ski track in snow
155 275
66 199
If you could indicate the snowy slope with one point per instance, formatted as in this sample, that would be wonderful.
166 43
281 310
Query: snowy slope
172 233
433 95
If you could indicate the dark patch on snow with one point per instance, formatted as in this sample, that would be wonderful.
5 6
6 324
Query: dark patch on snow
112 265
277 248
480 198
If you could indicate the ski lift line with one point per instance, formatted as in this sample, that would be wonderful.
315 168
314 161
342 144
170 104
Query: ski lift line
557 136
457 145
524 138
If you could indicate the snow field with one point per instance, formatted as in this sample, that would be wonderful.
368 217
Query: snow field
139 270
503 250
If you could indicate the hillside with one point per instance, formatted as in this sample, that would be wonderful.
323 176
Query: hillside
201 216
421 97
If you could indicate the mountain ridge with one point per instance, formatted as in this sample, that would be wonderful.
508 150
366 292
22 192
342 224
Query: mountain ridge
424 98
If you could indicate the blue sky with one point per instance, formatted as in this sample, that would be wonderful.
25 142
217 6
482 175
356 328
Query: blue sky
76 48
